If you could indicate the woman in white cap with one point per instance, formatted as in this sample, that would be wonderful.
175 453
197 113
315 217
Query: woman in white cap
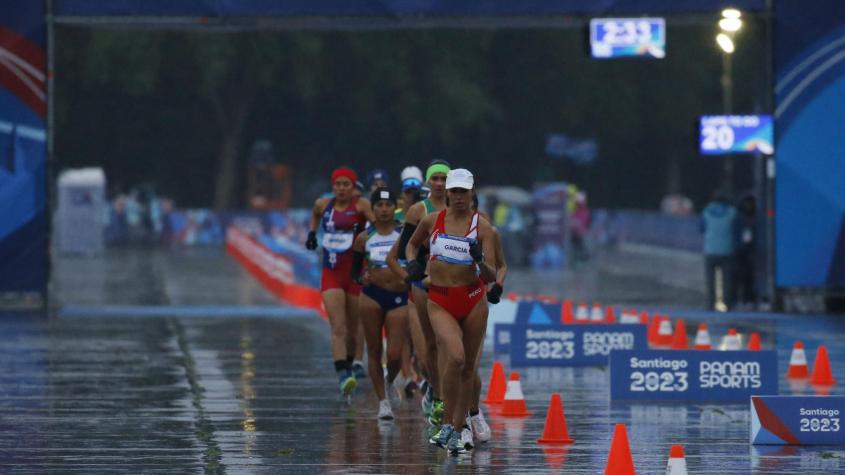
459 239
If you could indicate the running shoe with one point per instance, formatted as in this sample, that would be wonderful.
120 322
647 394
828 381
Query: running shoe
384 411
426 400
436 416
441 438
410 387
348 383
479 427
392 393
456 445
466 438
358 369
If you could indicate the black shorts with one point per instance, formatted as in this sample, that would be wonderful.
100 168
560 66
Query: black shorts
386 299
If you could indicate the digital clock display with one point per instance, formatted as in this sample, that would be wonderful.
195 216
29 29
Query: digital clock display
618 37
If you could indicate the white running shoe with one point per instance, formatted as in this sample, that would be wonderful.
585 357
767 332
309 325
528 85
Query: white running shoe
392 393
384 410
479 427
466 438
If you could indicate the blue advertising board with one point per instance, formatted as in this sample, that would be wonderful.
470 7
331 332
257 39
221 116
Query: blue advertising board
572 345
724 134
618 37
690 375
502 337
797 420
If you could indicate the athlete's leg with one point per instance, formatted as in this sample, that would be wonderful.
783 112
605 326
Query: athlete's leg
474 328
396 328
372 320
335 302
430 351
449 337
353 328
417 346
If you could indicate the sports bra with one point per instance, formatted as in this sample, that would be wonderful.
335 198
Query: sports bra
449 248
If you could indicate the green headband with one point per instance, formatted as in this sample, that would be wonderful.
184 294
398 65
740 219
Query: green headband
436 168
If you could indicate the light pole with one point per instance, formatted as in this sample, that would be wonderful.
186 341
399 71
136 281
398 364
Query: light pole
729 25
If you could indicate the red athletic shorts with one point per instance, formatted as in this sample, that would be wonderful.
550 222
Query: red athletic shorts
458 301
339 278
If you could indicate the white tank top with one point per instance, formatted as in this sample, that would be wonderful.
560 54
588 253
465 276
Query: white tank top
378 246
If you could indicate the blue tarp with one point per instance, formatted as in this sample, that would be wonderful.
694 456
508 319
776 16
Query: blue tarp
433 8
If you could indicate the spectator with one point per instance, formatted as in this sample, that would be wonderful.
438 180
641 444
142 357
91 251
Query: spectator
718 222
746 248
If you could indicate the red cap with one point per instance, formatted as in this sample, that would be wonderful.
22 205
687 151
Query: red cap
676 452
732 331
799 345
344 172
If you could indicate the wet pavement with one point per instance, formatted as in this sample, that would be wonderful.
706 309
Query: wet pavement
222 391
257 395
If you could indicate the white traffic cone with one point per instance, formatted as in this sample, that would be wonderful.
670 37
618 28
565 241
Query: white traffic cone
629 316
582 314
677 463
596 315
664 333
731 342
798 363
702 338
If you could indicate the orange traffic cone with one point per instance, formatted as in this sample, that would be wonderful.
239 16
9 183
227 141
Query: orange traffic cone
497 387
680 341
566 314
677 463
596 315
732 340
513 296
619 460
514 405
754 342
822 375
797 362
664 332
609 315
702 337
654 328
582 315
555 431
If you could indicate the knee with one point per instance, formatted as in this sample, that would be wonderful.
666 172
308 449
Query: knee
456 362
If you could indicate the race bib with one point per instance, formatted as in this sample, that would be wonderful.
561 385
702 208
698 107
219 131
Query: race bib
338 242
378 253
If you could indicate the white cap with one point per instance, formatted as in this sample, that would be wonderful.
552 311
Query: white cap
459 178
411 172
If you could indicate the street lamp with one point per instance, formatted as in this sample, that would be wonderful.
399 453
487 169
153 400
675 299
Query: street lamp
729 24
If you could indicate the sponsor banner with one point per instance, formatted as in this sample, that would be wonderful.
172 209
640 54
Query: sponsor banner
797 420
689 375
572 345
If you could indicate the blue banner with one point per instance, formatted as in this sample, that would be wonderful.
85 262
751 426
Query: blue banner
809 104
689 375
572 345
23 105
797 420
502 337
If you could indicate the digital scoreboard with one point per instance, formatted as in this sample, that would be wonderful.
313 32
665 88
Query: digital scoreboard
620 37
724 134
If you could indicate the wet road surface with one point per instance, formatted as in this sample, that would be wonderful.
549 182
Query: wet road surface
258 395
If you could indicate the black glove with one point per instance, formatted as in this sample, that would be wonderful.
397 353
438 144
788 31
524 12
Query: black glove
494 295
311 242
475 251
415 271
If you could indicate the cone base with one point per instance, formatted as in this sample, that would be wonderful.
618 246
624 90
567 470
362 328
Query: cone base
542 440
519 414
799 373
702 347
824 382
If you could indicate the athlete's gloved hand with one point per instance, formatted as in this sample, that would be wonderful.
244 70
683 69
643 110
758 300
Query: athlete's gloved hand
415 271
475 251
311 242
494 295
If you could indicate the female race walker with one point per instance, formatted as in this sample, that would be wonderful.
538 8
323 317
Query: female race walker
341 218
425 343
383 303
457 307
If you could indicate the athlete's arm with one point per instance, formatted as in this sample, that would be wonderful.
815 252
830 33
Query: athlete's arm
415 269
358 256
366 208
316 214
415 214
487 265
393 261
